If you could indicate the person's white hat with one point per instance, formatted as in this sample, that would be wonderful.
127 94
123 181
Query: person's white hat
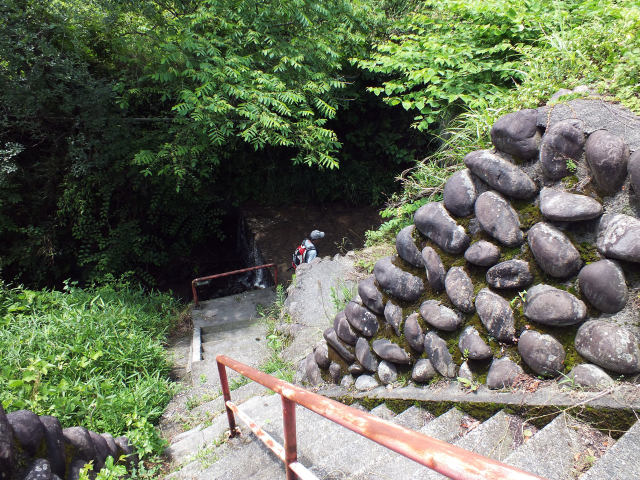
316 234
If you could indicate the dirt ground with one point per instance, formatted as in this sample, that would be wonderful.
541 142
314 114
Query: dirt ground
279 230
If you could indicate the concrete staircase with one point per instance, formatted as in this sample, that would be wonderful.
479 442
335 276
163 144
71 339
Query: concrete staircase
564 449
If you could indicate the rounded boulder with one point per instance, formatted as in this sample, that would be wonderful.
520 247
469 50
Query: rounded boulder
604 286
548 305
435 223
459 288
517 134
607 156
407 248
482 253
510 274
553 251
542 353
609 346
460 193
398 283
499 219
501 174
496 315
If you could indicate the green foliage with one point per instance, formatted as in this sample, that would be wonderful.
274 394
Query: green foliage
342 294
90 357
245 72
454 53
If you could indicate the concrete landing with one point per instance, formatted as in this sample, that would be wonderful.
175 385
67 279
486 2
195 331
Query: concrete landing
230 326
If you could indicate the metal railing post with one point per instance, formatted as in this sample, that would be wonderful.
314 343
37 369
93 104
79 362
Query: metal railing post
226 394
195 293
290 441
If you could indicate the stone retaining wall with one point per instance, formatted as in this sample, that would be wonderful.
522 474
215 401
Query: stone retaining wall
530 263
36 447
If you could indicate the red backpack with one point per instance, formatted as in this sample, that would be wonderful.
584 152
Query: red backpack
298 256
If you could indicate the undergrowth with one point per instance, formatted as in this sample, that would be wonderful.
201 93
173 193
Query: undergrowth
92 357
274 316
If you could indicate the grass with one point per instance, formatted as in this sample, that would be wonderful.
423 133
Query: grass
92 357
273 316
342 294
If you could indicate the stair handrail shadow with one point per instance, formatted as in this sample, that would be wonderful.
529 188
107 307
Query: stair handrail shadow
200 280
445 458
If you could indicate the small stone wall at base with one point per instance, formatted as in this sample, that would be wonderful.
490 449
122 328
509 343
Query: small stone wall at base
36 447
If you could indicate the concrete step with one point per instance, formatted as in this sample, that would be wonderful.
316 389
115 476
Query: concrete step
495 438
557 451
621 461
414 418
383 412
447 427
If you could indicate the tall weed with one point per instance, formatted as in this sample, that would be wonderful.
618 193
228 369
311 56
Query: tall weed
91 357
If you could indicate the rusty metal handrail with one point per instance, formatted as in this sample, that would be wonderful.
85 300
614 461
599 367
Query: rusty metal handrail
195 281
450 460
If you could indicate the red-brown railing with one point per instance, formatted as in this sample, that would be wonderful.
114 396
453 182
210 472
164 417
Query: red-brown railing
454 462
196 281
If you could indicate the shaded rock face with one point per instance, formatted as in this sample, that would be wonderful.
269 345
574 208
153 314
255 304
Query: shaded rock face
607 156
356 369
587 375
562 141
496 315
500 174
321 356
334 342
364 355
440 316
407 248
634 171
471 343
7 451
498 219
370 295
553 251
335 372
55 444
390 352
435 223
423 371
604 286
551 306
343 329
465 371
398 283
438 353
510 274
459 288
609 346
413 333
460 193
517 134
434 267
542 353
79 438
502 373
393 316
482 253
39 470
361 318
561 206
618 237
27 429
